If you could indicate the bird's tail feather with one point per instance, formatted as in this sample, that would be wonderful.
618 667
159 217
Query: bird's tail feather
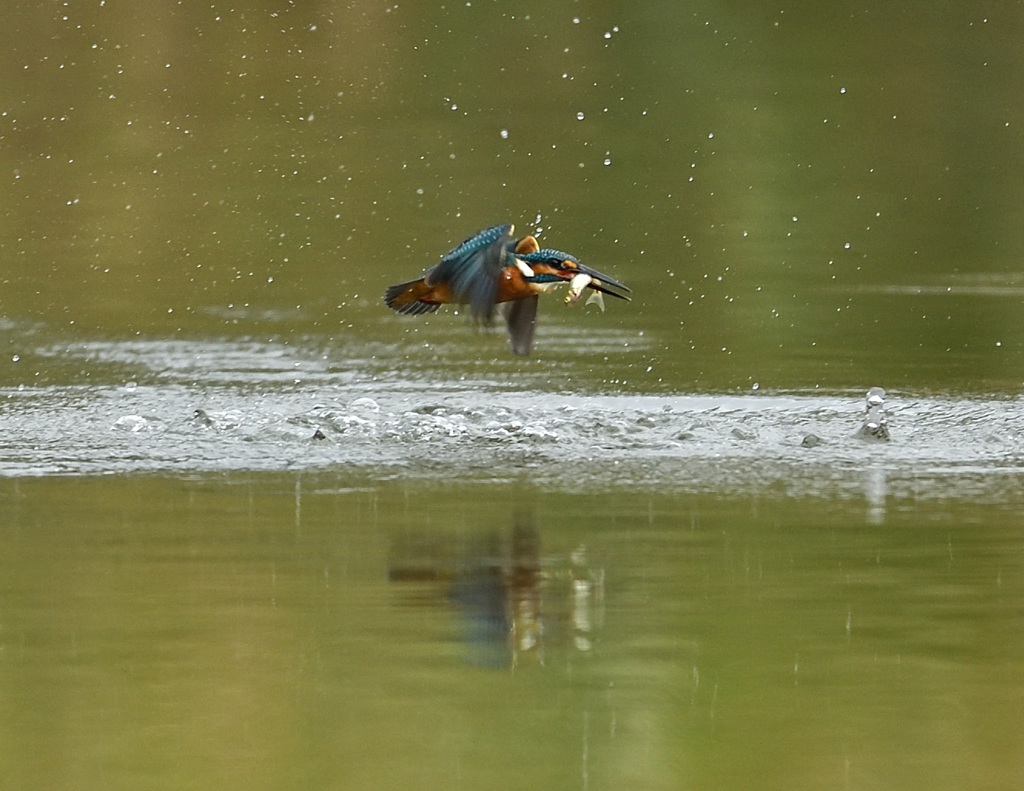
407 298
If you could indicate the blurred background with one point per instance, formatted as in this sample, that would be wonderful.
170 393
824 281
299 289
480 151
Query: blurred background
801 196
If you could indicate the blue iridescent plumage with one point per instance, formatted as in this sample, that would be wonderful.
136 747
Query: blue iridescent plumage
472 269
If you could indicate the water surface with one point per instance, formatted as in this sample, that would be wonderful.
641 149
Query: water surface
237 407
288 630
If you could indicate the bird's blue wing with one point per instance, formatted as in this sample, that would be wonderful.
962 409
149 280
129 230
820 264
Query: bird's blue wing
480 240
473 268
521 320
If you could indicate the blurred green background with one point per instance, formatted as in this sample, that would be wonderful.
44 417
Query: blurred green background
802 196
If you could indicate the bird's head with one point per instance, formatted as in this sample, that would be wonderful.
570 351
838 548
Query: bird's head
555 266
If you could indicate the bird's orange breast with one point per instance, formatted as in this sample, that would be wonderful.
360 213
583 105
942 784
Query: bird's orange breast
512 286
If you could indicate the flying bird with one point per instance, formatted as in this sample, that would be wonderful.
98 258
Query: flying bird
492 270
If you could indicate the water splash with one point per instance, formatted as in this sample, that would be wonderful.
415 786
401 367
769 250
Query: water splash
236 407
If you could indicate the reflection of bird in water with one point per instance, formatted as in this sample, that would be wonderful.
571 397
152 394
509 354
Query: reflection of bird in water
524 583
875 426
498 586
479 590
494 268
500 599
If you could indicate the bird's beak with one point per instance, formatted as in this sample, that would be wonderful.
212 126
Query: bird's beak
604 283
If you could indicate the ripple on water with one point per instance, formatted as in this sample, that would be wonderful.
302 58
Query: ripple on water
237 407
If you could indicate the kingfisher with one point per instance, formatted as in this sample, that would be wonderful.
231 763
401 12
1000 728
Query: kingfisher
492 270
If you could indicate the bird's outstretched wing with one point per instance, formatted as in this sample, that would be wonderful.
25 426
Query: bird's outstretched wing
521 320
473 268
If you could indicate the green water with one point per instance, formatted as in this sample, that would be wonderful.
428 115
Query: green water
287 631
259 532
798 197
